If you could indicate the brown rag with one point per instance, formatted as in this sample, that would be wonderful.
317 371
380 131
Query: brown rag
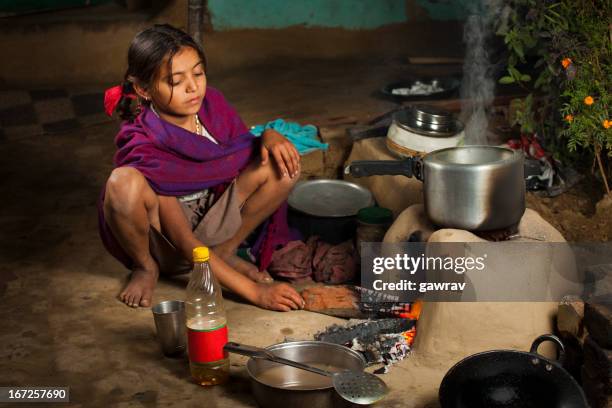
298 261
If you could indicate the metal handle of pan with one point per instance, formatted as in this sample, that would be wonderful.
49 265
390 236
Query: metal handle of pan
549 337
249 351
411 167
256 352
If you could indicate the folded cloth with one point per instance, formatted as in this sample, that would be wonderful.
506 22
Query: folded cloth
334 263
304 138
314 258
293 261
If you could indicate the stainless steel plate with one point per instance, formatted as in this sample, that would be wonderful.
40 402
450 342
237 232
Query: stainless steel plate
329 198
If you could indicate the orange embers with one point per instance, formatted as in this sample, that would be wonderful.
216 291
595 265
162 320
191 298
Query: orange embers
409 335
413 311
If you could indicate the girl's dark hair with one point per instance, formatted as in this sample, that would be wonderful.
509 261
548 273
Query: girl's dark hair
145 57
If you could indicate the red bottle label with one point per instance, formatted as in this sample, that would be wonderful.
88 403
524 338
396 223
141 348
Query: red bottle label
206 346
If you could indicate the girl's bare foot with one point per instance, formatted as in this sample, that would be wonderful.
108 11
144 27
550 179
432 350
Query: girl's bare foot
139 290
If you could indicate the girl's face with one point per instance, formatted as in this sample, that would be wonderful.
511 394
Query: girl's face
180 92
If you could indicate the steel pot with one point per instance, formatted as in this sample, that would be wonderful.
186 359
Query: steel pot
476 188
292 387
511 379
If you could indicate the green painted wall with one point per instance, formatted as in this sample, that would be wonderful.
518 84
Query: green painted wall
349 14
448 9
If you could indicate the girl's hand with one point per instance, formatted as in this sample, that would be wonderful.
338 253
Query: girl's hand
286 156
281 297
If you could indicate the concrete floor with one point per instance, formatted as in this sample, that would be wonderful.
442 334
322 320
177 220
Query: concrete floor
61 322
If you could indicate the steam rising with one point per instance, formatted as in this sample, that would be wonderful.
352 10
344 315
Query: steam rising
478 86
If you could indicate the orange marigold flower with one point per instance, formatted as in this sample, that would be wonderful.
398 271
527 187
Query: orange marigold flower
607 123
566 62
569 118
589 100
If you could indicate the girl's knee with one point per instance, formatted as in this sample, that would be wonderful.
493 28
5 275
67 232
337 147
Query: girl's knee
289 182
269 173
125 182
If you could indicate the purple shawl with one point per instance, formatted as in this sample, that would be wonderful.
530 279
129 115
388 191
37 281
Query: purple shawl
177 162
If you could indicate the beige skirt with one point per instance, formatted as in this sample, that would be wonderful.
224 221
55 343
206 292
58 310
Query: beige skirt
212 224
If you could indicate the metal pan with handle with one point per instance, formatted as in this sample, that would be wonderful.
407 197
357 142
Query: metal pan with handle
512 379
476 188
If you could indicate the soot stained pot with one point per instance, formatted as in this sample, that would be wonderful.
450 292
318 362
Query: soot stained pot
476 188
327 208
445 86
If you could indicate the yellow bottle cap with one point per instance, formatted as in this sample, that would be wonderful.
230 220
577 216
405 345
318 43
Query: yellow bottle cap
200 254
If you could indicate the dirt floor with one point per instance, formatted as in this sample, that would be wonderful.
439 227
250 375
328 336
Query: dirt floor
581 214
61 322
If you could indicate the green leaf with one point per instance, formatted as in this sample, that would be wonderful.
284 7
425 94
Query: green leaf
525 78
505 80
518 48
549 18
514 73
540 81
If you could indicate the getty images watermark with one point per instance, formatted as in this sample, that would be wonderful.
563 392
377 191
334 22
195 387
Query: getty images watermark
484 271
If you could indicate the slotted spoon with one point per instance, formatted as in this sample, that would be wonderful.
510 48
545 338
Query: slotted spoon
357 387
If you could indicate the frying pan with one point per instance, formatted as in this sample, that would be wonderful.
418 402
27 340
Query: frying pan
512 379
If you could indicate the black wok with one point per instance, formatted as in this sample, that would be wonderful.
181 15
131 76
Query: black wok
511 379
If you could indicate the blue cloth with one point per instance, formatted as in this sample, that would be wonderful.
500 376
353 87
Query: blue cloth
304 138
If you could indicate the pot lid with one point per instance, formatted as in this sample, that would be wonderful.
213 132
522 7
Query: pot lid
329 198
405 119
431 114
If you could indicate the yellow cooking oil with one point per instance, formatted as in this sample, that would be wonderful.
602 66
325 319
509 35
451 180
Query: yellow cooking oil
211 372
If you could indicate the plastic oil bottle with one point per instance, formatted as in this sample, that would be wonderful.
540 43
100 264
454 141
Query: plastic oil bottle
206 323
